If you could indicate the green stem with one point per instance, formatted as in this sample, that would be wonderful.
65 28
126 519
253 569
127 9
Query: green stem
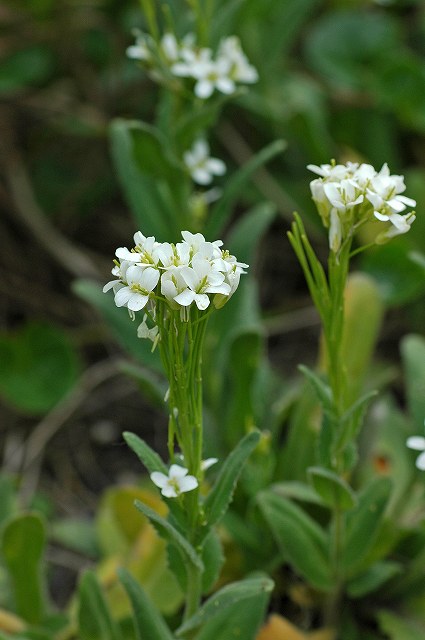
193 593
332 606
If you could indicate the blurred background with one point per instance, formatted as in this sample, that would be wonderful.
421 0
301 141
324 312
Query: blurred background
343 80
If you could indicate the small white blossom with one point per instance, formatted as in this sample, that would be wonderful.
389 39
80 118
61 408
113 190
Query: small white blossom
145 332
178 481
417 443
201 278
201 166
141 49
209 462
240 69
348 195
140 283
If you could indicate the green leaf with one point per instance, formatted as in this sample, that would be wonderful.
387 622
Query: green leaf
38 367
302 541
145 453
413 352
297 491
8 498
31 66
224 599
149 207
23 543
94 617
363 523
343 59
241 620
333 490
323 390
243 363
222 211
148 622
396 627
363 311
172 535
151 150
213 559
120 324
373 578
246 233
218 499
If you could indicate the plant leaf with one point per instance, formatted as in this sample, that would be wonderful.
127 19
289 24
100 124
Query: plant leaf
23 543
373 578
221 494
223 209
94 618
302 541
224 599
172 535
333 490
413 352
363 523
145 453
148 622
148 205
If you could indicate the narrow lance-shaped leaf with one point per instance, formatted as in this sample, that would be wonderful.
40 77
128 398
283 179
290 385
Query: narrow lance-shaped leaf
94 617
301 540
221 494
145 453
333 490
363 523
172 535
226 598
149 208
148 622
235 185
23 544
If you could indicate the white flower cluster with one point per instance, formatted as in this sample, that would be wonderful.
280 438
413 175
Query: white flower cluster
200 165
182 274
348 195
184 59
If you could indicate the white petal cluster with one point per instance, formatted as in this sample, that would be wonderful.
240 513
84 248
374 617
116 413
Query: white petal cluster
350 194
177 482
200 165
417 443
208 72
191 272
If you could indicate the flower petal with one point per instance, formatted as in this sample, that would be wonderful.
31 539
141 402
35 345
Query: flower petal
188 484
159 479
420 461
416 442
176 471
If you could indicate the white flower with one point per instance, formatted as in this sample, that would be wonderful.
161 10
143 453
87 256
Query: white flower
201 166
119 271
172 284
170 47
240 68
178 481
332 171
343 195
140 50
209 462
143 331
201 278
140 283
418 444
211 75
